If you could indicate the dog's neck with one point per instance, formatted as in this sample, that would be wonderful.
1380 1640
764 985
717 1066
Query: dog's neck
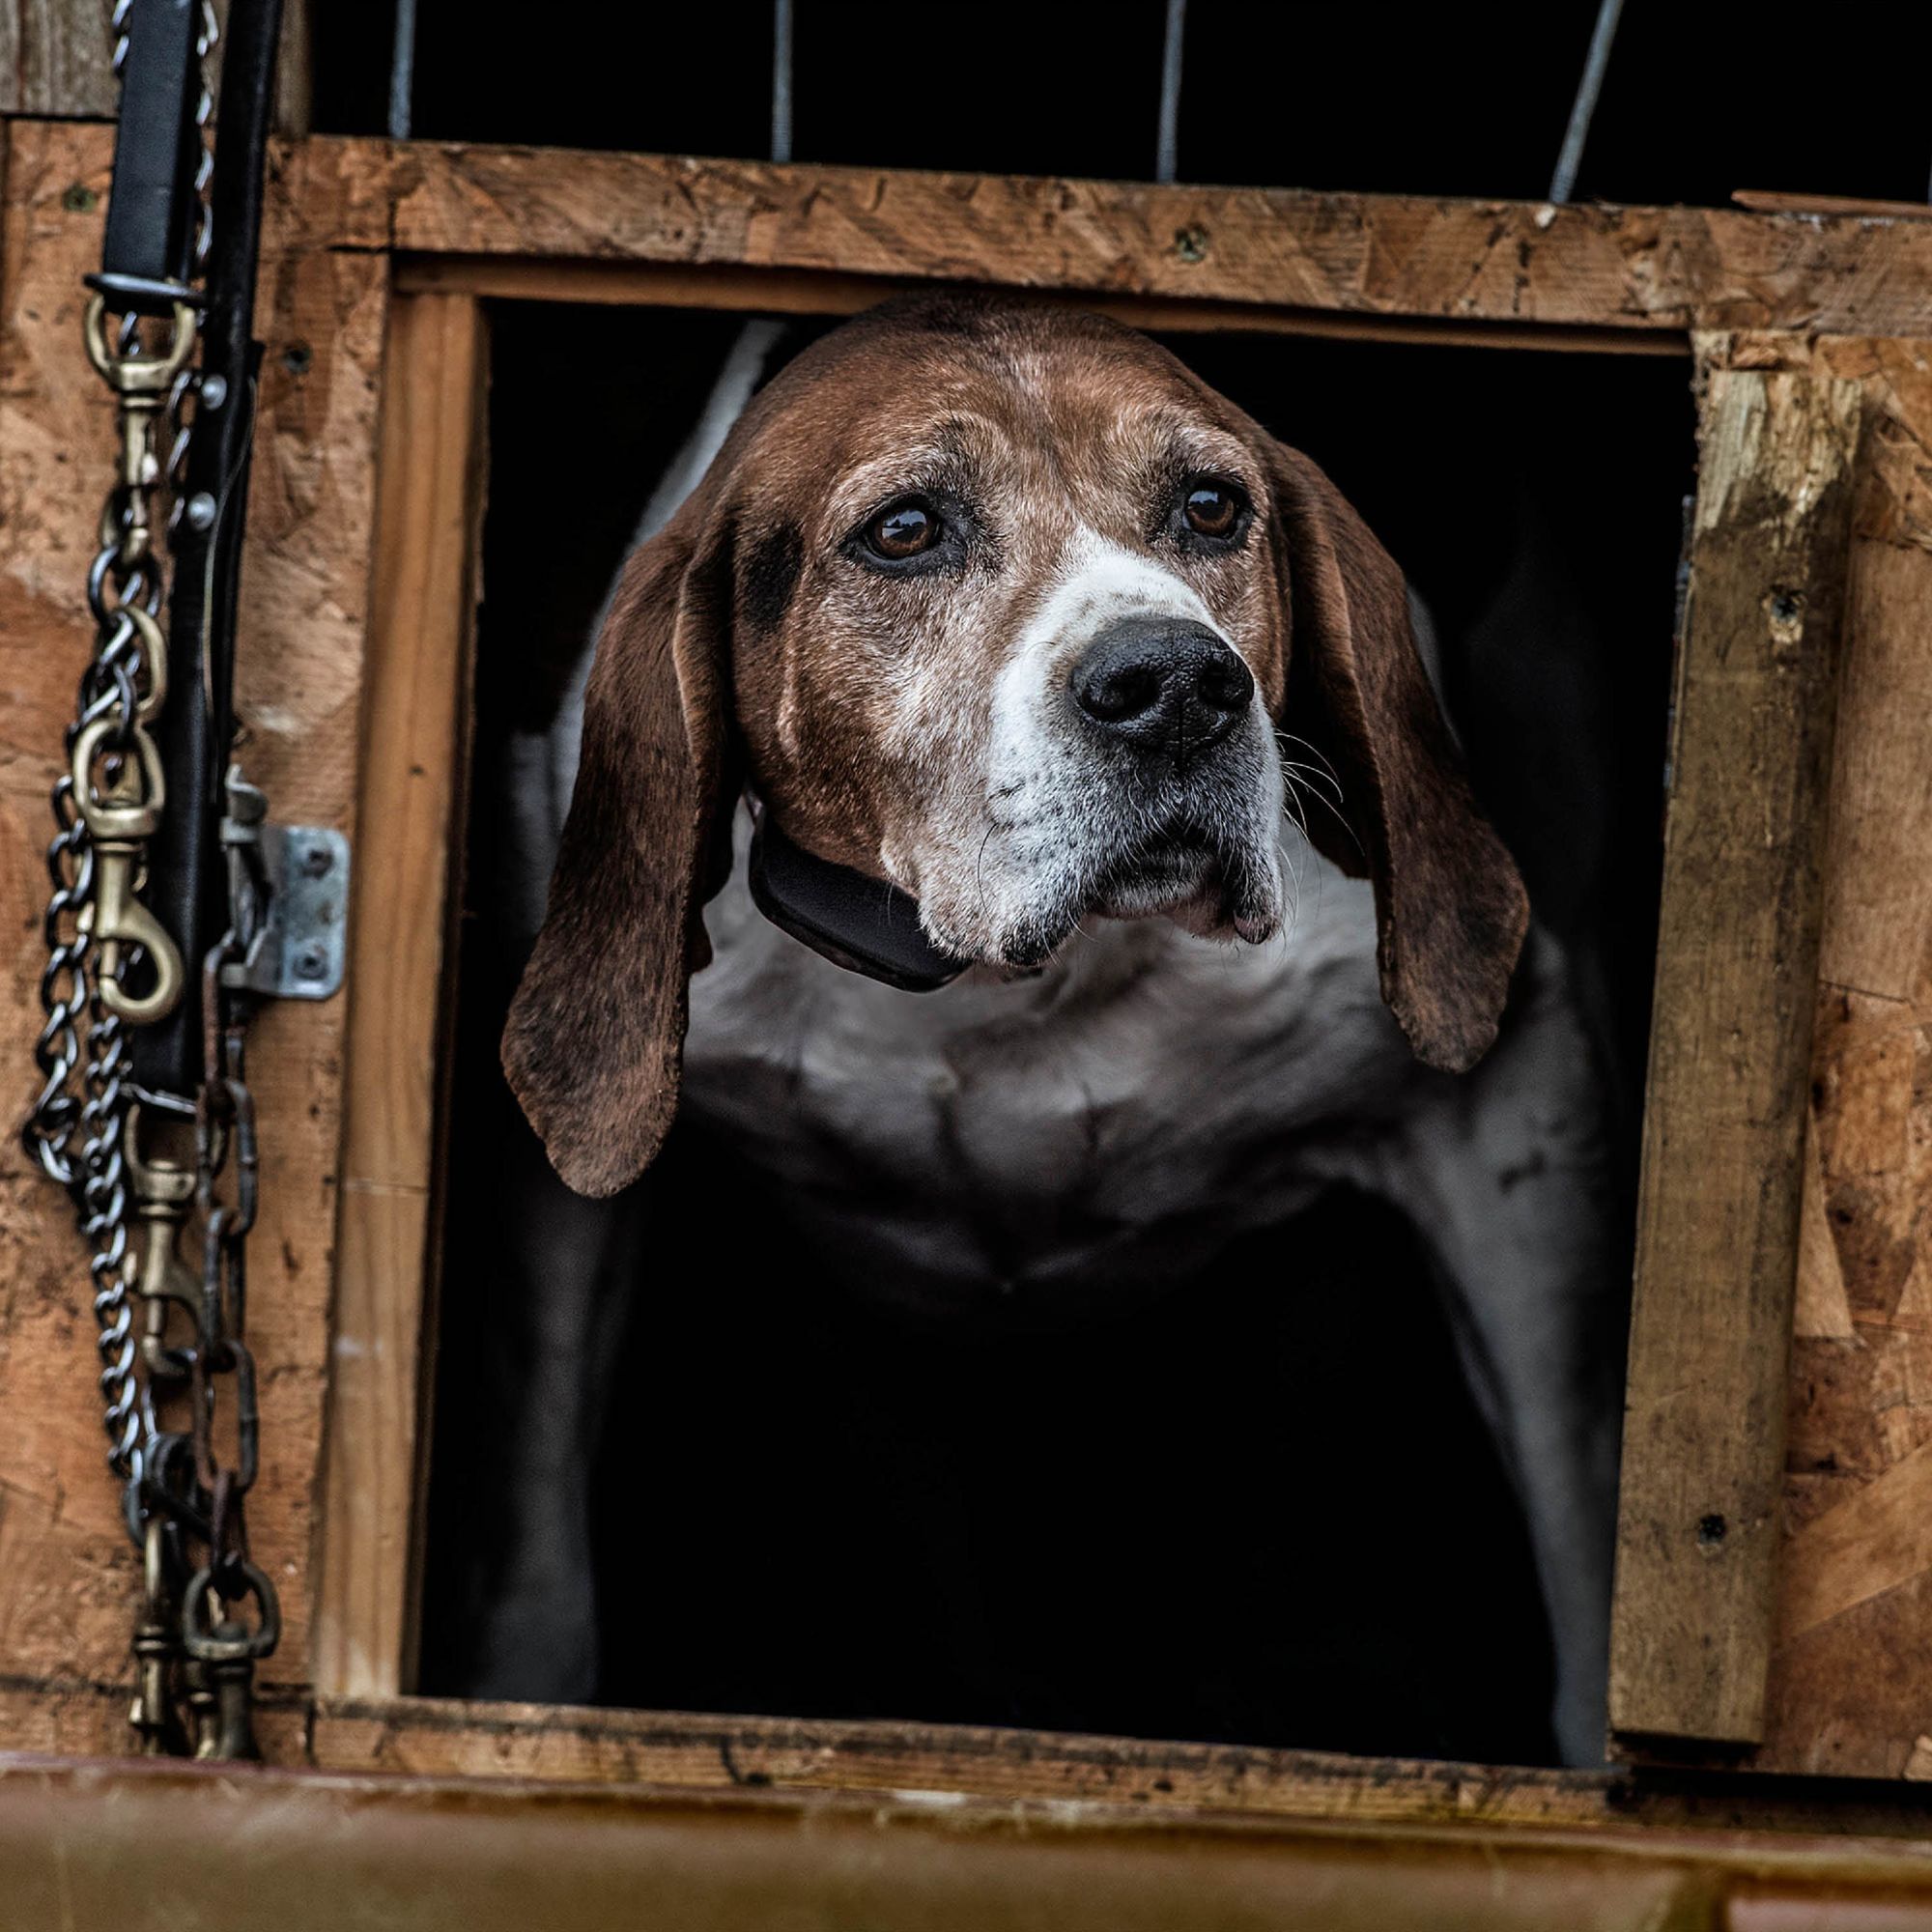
866 925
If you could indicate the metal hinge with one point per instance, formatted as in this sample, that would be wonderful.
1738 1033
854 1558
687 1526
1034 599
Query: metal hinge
301 947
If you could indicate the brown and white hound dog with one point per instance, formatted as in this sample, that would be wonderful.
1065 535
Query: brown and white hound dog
1051 675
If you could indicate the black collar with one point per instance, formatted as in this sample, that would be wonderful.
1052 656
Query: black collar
864 924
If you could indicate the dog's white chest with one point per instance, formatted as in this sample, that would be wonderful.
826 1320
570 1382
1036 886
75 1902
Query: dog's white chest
1091 1130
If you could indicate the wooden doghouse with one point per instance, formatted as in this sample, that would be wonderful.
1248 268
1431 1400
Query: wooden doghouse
1774 1618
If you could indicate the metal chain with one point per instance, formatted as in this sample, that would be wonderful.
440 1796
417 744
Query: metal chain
125 570
222 1639
111 966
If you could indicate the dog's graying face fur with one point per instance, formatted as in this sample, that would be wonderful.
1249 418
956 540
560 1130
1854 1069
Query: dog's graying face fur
997 602
916 717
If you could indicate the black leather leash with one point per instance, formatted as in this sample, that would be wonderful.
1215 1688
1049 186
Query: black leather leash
146 256
186 872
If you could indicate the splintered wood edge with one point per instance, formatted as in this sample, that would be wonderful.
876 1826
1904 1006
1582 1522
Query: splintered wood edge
1718 1217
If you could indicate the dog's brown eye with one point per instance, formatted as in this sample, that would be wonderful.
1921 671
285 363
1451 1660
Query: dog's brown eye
1211 510
903 531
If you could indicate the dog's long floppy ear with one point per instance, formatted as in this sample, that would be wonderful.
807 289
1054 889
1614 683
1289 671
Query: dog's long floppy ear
594 1041
1449 909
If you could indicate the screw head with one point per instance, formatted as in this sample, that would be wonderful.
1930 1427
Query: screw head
200 510
311 963
212 393
315 860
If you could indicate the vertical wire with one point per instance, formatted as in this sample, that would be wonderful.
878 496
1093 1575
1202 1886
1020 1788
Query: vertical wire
781 80
1167 142
1563 182
403 71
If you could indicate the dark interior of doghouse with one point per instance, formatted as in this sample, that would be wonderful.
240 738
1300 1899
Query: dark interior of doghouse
1381 98
1264 1509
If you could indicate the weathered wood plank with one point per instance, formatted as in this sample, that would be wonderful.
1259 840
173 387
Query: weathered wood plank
1847 1692
1386 255
55 62
1472 265
1723 1134
544 1745
433 1737
67 1576
402 955
54 59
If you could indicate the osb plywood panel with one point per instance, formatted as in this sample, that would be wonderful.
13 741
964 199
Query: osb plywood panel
1851 1668
1385 255
68 1573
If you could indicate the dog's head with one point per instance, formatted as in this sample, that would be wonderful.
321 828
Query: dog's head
997 602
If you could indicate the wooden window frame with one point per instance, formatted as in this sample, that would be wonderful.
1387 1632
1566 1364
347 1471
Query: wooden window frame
1797 330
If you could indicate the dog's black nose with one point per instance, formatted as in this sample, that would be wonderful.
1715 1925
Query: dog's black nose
1163 684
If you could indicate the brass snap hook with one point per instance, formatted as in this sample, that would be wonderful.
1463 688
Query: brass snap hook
164 1188
139 374
227 1640
223 1650
130 808
117 919
117 822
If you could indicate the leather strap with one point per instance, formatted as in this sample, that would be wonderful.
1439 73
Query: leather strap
197 728
147 250
864 924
